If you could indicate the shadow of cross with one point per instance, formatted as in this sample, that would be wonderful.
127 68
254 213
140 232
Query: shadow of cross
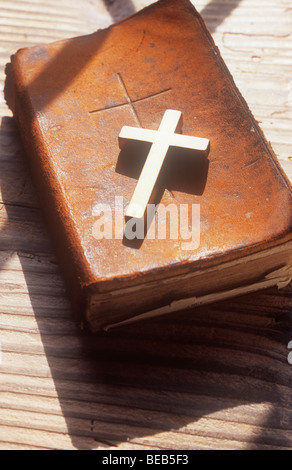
166 136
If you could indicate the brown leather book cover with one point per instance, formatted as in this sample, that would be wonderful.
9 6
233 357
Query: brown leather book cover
71 99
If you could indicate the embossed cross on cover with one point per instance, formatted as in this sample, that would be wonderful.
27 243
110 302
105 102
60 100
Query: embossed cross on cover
72 98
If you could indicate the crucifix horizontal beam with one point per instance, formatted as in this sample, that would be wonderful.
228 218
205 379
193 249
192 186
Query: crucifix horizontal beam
166 136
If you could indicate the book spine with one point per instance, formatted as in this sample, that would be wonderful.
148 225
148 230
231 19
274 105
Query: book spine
75 267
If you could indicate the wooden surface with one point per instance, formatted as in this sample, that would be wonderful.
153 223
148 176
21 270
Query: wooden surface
216 378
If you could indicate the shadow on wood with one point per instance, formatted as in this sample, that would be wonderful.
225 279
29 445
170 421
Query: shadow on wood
216 15
216 377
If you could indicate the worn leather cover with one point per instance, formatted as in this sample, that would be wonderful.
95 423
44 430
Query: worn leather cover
71 99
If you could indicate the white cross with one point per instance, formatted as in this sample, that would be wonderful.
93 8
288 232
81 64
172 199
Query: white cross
161 140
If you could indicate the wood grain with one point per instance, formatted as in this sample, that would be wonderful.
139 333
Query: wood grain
215 378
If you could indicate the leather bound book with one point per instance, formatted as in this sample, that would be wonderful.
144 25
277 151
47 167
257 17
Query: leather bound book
71 99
